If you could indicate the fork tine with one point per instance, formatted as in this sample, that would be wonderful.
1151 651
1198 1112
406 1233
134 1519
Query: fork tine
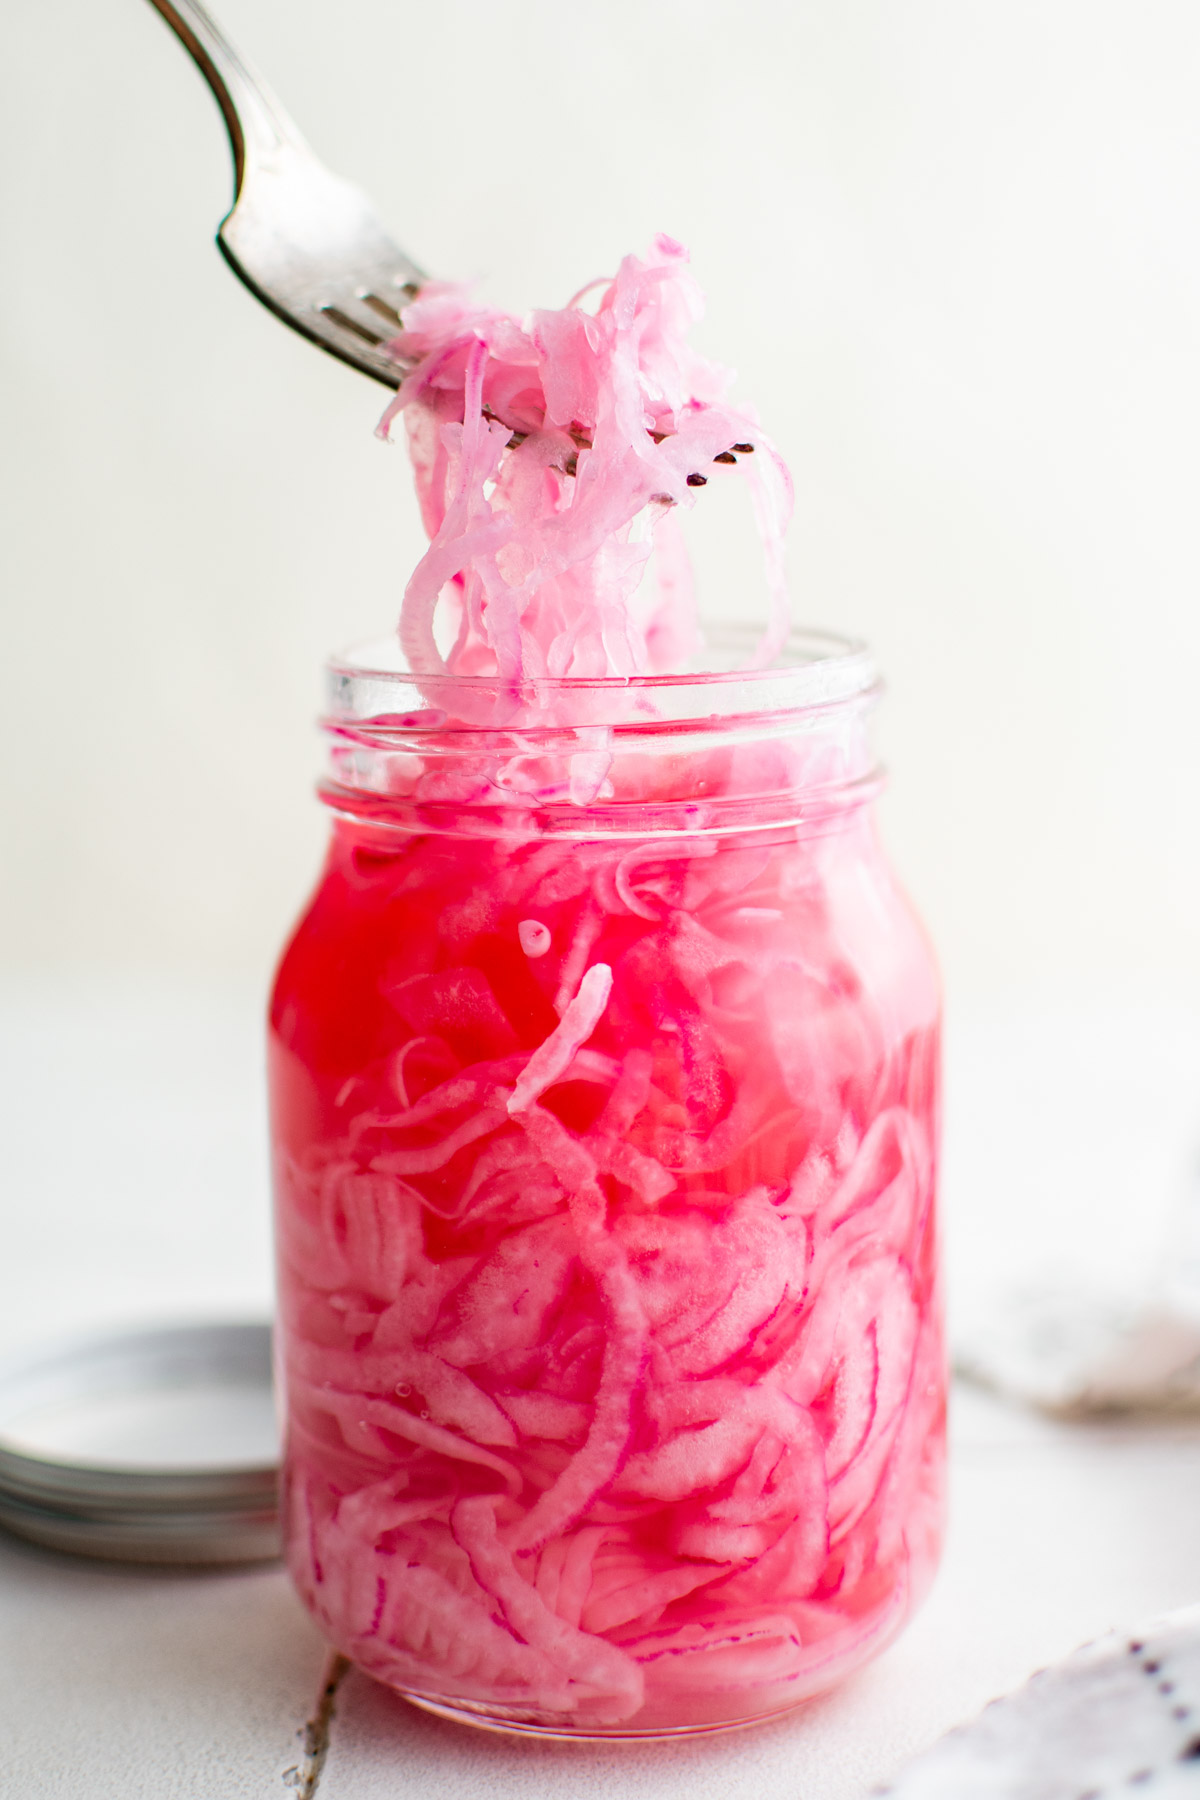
365 332
383 307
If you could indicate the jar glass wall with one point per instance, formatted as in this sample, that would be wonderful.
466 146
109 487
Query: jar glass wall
604 1073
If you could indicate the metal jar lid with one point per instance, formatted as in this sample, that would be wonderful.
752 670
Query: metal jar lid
153 1446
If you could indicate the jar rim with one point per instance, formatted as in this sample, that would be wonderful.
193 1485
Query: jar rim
813 669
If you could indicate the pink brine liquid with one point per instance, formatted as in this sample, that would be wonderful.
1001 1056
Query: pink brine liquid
609 1317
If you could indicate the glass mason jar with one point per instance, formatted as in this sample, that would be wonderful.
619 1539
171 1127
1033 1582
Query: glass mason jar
604 1080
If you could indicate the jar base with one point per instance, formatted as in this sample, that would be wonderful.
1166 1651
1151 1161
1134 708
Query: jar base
616 1734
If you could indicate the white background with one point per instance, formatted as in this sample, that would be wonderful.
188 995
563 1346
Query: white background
951 247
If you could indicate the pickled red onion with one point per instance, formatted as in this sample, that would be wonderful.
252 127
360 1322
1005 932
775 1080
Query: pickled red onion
539 449
605 1168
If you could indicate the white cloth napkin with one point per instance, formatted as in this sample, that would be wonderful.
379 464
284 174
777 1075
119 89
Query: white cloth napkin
1075 1352
1119 1717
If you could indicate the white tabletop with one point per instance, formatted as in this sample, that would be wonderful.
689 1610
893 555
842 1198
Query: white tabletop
128 1683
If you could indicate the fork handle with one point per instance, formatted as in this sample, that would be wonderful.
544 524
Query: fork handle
258 125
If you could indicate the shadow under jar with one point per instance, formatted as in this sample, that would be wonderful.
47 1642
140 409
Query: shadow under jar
604 1076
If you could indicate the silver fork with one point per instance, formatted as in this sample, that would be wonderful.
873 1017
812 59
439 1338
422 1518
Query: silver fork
306 243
